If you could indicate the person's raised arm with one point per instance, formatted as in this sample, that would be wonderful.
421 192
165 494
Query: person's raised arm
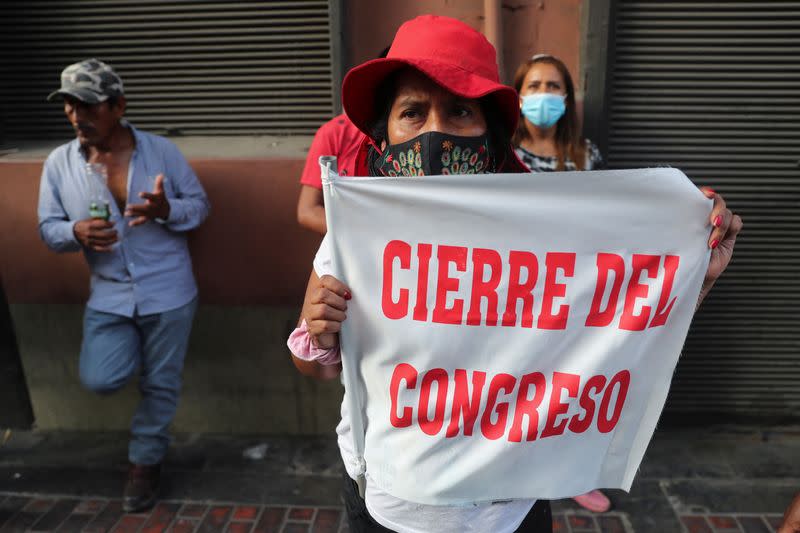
721 241
324 310
185 207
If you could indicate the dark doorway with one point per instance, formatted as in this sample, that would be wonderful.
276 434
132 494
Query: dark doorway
15 403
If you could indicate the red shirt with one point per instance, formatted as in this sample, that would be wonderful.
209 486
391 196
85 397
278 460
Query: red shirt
337 137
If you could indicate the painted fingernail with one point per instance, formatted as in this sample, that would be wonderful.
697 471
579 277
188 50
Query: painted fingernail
718 221
712 191
347 295
714 243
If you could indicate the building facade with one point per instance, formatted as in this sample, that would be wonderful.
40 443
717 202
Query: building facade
708 87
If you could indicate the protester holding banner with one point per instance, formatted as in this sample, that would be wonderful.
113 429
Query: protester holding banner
548 137
435 95
404 101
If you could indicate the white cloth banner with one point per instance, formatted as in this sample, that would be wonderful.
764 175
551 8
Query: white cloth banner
513 335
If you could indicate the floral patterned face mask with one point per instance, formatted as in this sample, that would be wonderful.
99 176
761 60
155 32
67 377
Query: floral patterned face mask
434 153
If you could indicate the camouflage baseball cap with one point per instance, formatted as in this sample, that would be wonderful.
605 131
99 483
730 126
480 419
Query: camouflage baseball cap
90 81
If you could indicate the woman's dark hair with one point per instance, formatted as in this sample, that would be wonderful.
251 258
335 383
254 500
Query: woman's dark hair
384 96
499 137
569 142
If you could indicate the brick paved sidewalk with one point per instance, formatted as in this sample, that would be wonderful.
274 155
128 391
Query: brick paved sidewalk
37 514
731 523
697 480
91 515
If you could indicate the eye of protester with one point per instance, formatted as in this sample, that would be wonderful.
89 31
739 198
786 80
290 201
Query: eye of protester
462 111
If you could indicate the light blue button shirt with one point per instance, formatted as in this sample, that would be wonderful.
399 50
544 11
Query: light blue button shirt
149 269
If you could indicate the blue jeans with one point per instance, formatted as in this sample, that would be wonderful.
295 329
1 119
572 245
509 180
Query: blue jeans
114 346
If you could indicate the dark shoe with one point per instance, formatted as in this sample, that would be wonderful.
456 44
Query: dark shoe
141 489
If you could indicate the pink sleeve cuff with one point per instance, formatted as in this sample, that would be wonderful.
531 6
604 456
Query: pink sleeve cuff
301 347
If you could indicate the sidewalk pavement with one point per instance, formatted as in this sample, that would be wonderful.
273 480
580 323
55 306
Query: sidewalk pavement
698 479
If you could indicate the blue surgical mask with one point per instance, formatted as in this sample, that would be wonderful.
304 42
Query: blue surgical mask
543 109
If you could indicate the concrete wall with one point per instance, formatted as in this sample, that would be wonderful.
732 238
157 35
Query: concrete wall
252 262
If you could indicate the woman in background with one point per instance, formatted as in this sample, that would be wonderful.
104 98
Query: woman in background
548 137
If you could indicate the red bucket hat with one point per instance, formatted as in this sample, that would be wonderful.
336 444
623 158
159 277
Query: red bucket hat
446 50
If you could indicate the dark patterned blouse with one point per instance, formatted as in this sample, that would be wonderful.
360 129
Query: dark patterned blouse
537 163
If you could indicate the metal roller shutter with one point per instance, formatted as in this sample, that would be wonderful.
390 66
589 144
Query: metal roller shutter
713 88
194 67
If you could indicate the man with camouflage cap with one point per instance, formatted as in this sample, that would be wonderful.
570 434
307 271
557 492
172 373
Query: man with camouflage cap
126 198
90 81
